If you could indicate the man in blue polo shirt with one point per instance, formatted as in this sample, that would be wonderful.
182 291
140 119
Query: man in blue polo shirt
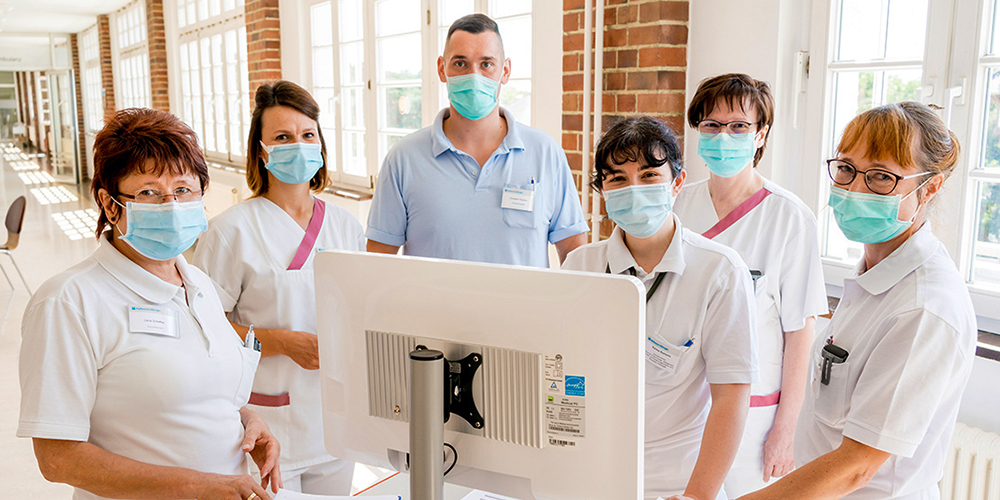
476 185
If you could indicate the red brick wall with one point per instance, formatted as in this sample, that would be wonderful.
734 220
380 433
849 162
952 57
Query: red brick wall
78 88
158 83
263 42
107 71
645 63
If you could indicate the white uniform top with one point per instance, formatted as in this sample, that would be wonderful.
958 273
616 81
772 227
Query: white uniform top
247 251
168 399
705 297
777 237
910 332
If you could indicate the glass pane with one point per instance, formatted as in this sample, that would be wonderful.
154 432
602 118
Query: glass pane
399 58
191 16
861 24
906 29
322 66
837 245
214 7
503 8
354 108
330 136
352 58
322 16
400 108
396 16
385 143
327 102
202 10
450 10
860 91
516 98
181 18
351 20
990 156
516 35
995 34
986 246
228 5
354 153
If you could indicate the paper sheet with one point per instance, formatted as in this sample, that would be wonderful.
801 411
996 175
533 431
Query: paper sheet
292 495
483 495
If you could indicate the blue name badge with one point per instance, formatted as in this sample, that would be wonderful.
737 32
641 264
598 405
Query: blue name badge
576 386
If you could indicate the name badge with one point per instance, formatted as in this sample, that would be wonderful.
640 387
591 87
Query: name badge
152 320
663 354
518 199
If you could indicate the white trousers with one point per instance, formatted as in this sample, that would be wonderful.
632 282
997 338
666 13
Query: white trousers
747 473
327 478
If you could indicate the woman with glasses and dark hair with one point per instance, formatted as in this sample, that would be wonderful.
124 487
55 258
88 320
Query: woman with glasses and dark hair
133 384
776 235
889 371
260 254
700 350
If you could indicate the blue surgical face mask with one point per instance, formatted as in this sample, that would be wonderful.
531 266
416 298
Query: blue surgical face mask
294 163
162 231
640 210
726 154
473 96
868 218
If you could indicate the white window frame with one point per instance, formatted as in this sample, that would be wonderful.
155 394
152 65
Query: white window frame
91 80
130 56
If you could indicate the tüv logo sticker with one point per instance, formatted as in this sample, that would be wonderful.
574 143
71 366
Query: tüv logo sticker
575 386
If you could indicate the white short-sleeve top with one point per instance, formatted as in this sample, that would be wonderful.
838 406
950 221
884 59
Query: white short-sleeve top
776 236
90 373
705 298
247 251
910 331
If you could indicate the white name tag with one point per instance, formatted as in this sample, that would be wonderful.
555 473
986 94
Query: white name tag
663 354
518 199
152 320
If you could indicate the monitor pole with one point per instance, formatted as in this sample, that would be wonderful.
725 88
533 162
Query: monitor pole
427 419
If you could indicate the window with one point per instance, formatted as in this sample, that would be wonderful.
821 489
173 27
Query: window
366 108
214 81
90 69
132 49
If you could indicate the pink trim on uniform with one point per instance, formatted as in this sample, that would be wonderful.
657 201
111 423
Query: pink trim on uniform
259 399
769 400
309 240
737 213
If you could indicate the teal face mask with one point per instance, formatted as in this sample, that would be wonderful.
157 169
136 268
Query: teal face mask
726 154
294 163
640 210
473 96
162 231
868 218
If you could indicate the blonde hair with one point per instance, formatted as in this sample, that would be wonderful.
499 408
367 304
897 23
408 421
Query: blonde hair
908 133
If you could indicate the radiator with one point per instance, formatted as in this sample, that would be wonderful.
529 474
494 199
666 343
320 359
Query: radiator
972 471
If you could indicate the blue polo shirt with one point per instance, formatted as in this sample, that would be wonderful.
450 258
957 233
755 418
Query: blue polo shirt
435 200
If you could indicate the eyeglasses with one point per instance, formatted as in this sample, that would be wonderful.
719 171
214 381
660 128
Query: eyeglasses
181 195
878 180
735 127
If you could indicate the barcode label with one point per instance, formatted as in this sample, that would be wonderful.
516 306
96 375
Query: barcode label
561 442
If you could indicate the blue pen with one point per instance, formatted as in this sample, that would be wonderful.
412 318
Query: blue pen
532 181
689 343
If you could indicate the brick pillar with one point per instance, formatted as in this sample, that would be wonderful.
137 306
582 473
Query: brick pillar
78 88
645 61
263 43
107 69
158 85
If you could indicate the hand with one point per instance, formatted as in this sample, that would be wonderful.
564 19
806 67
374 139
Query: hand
302 347
779 456
222 487
263 447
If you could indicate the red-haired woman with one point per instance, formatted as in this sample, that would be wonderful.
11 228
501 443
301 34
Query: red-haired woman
260 254
133 384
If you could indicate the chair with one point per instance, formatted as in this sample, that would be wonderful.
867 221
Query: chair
14 221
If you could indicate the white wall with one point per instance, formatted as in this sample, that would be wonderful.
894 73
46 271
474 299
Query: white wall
981 402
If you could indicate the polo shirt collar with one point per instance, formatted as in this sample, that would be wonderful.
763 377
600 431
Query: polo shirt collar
132 275
916 250
440 142
620 258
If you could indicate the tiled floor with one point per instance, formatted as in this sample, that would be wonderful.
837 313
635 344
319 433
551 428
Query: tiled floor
51 240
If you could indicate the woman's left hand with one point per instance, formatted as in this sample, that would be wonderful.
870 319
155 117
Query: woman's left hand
779 456
263 447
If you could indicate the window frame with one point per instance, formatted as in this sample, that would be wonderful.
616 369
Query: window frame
130 56
91 84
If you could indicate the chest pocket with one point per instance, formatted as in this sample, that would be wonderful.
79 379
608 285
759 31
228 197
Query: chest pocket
516 218
830 404
665 362
249 361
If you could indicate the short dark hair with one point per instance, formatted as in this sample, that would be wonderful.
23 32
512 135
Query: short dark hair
735 89
642 139
269 95
143 140
475 24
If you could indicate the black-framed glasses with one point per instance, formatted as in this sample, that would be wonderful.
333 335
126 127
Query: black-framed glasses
181 195
735 127
879 181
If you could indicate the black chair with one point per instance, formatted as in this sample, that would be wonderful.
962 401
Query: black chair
14 221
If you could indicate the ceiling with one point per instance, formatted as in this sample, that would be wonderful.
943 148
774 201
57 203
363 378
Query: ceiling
53 16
